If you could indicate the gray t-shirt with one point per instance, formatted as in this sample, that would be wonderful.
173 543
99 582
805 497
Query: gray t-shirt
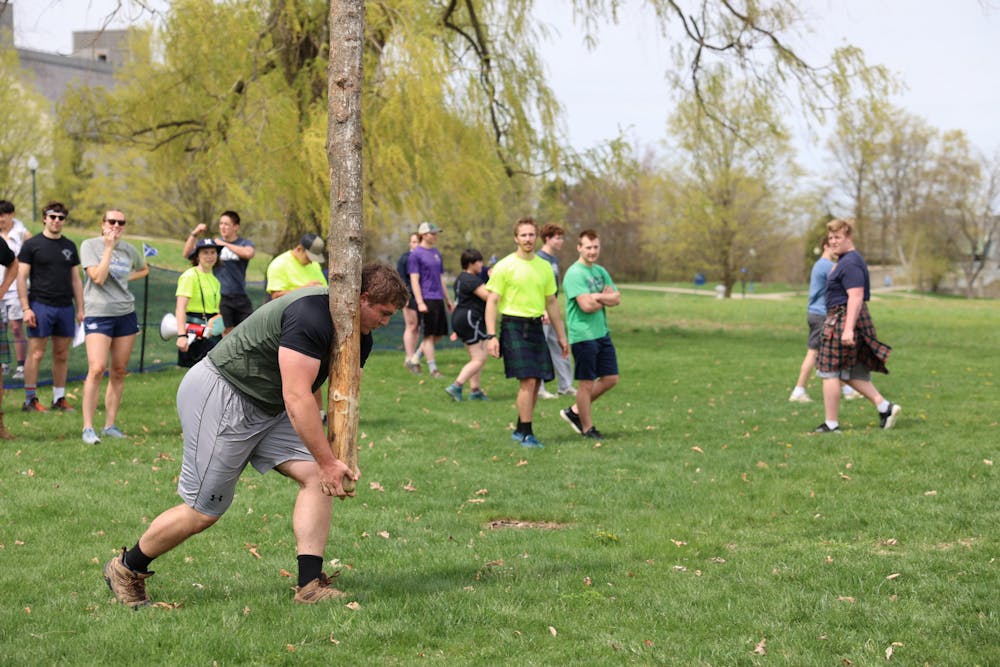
113 298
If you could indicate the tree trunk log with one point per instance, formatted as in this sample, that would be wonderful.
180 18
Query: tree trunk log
344 242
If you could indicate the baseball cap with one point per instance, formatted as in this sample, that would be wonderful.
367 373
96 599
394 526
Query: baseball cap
428 228
314 246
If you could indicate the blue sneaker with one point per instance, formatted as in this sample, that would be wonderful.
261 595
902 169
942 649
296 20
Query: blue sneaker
112 432
517 436
90 437
478 395
531 441
454 392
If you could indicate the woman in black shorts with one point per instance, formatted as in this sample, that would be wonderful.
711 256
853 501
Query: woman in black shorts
467 321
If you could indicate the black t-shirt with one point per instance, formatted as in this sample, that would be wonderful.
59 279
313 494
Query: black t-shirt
52 263
6 254
465 294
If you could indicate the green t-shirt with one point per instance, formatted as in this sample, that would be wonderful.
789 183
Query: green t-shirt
583 279
202 290
523 285
285 274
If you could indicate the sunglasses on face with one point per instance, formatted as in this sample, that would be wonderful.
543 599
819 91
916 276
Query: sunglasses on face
55 216
112 221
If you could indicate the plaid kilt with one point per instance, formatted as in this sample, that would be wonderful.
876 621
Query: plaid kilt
868 351
525 353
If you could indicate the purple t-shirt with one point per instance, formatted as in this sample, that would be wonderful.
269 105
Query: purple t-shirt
849 272
427 263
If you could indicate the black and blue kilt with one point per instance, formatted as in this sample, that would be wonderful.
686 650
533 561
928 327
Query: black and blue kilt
525 353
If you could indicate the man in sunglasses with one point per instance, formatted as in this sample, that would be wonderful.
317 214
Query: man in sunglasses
50 262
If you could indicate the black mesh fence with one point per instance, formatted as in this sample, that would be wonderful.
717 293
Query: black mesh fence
154 297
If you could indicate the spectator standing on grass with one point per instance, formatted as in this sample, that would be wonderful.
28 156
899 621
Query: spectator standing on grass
14 233
589 292
110 323
552 243
9 261
430 293
198 296
411 320
468 323
49 263
523 288
235 253
255 399
815 316
849 349
299 267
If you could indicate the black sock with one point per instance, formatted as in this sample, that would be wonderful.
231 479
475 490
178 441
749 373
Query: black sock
310 567
524 428
137 561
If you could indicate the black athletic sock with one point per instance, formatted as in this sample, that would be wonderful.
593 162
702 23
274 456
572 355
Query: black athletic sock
137 561
524 428
310 567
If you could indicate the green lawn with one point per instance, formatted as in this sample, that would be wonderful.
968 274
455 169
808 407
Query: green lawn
708 529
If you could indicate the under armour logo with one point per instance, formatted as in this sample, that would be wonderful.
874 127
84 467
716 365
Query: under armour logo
215 498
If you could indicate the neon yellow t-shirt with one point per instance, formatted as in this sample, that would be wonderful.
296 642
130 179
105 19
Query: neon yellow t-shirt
202 290
523 285
285 274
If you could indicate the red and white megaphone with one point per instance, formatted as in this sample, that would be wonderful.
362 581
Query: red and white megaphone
168 328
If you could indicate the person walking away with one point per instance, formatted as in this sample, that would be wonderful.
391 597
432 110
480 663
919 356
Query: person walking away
553 237
430 292
849 349
522 288
468 323
235 253
254 399
589 293
14 233
815 316
49 263
411 320
110 323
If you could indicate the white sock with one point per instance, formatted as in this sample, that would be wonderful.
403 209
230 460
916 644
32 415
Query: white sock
884 405
798 391
57 393
432 366
832 425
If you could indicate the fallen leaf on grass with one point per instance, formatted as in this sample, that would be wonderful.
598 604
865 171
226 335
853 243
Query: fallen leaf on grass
284 573
353 606
27 610
246 611
476 500
679 543
383 534
335 642
168 605
889 649
698 449
522 462
761 647
894 575
252 548
987 462
552 631
930 493
587 581
482 492
409 487
847 598
845 477
375 486
290 648
648 643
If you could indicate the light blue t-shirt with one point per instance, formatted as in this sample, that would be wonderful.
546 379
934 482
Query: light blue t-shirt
817 285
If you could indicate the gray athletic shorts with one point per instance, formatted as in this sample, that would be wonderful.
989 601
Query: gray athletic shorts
856 372
815 329
223 431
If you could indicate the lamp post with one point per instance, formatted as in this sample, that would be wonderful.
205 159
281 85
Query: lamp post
33 166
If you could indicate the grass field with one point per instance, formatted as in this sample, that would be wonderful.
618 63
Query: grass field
709 528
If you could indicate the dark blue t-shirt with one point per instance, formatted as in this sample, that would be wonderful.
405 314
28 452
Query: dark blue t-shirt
849 272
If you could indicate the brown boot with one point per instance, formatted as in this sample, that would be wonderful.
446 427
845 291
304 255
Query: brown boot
4 433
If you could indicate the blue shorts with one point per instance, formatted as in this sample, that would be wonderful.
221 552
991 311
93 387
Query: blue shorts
595 359
52 321
112 327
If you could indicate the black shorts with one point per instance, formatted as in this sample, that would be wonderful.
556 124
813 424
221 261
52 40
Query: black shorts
435 321
525 352
235 308
468 325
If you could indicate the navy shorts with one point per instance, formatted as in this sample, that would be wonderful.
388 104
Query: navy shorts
522 345
595 359
52 321
112 327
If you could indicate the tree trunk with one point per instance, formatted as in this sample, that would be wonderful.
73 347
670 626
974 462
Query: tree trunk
344 242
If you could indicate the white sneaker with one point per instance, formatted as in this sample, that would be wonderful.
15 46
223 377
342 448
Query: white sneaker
19 373
799 398
545 393
850 395
568 391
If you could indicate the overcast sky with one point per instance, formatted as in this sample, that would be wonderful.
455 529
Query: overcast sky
945 51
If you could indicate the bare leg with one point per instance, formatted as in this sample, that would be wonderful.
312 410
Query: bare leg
808 363
427 347
60 360
588 392
20 342
311 515
173 527
474 367
527 396
36 350
831 399
98 346
411 331
868 390
121 350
